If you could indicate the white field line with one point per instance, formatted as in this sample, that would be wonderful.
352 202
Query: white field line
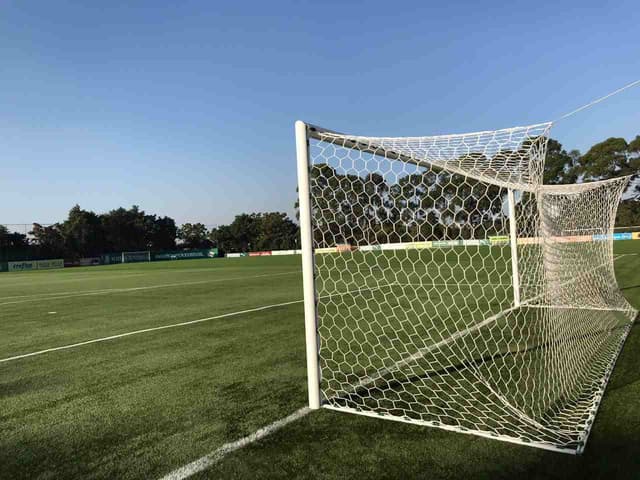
55 296
214 457
46 280
174 325
95 276
145 330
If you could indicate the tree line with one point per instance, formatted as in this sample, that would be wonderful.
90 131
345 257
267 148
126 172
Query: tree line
88 234
348 208
365 207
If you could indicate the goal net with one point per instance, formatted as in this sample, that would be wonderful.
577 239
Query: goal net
446 286
142 256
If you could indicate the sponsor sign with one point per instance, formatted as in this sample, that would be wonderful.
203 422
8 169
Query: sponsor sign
499 240
582 238
22 266
29 265
112 258
635 235
184 254
326 250
260 254
83 262
236 255
623 236
446 243
393 246
285 252
530 240
49 264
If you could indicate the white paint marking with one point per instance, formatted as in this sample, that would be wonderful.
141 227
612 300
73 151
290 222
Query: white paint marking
52 313
214 457
145 330
182 324
56 296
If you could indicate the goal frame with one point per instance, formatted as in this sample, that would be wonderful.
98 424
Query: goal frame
147 252
305 132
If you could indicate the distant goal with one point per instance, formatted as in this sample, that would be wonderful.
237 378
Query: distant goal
445 285
141 256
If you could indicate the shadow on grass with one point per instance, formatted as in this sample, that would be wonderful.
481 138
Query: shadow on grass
332 445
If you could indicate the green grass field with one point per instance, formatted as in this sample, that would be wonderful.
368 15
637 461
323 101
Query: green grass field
142 405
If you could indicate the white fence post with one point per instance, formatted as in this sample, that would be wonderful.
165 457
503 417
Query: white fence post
310 319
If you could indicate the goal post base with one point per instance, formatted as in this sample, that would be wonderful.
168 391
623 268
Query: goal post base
451 428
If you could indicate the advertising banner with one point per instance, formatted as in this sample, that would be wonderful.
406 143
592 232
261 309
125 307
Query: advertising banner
49 264
446 243
259 254
326 250
499 240
24 266
285 252
623 236
184 254
29 265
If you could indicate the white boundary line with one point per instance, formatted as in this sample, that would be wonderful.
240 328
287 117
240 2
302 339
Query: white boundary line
55 296
145 330
173 325
214 457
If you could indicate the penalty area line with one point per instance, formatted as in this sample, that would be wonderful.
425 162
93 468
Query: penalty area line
145 330
214 457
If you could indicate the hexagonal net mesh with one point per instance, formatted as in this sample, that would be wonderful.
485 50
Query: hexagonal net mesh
452 289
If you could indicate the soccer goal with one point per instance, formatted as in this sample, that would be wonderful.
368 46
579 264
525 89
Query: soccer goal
445 285
142 256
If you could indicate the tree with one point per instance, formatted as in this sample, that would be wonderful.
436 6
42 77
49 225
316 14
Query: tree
49 241
560 166
606 159
83 233
13 245
125 229
161 232
194 235
256 231
277 232
245 229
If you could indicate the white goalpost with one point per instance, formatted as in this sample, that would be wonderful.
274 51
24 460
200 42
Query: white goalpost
140 256
445 285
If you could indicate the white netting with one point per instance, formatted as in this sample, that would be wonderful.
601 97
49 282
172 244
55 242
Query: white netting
417 306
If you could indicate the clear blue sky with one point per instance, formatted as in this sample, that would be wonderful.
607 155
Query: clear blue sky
187 108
